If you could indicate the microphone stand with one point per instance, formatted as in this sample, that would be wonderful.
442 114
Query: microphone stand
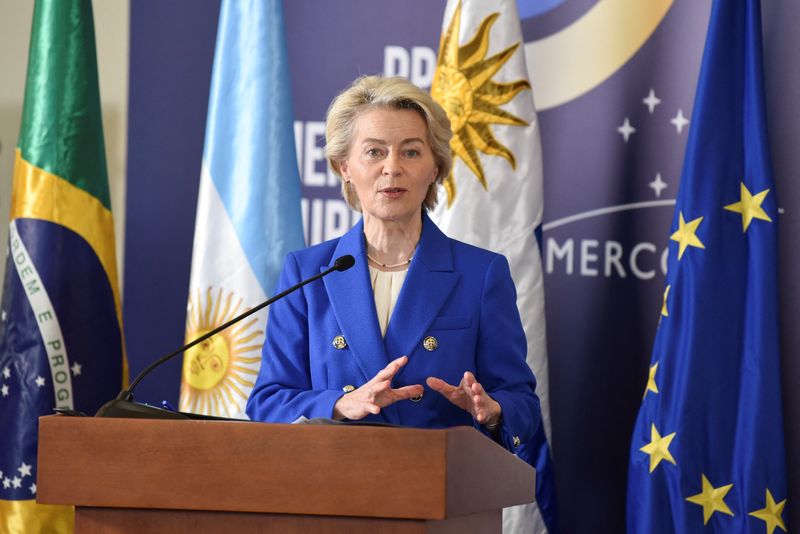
124 407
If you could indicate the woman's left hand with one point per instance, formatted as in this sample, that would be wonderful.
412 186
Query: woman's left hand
470 396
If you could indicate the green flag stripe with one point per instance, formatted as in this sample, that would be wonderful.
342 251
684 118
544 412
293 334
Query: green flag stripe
62 129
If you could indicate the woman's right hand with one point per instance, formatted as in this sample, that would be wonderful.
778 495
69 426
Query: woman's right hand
375 394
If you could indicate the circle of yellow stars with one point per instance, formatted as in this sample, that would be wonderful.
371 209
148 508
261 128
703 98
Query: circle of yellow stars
710 498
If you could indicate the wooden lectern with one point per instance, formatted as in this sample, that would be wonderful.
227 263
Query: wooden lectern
139 475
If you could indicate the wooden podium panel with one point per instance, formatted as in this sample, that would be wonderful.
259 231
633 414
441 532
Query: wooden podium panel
240 471
124 521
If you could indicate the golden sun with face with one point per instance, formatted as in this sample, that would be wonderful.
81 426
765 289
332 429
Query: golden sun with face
463 85
219 373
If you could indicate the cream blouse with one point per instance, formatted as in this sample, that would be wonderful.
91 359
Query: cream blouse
386 288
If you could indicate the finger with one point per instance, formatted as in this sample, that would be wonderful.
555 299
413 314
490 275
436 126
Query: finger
406 392
439 385
476 388
378 388
450 392
481 410
372 408
488 410
478 394
473 388
466 385
468 379
467 382
388 372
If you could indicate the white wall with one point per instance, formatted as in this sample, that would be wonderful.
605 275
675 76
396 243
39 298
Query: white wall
112 18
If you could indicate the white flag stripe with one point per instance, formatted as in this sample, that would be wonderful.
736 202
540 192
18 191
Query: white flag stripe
47 319
219 264
504 215
225 264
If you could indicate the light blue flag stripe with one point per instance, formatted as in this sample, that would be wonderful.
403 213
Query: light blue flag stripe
249 147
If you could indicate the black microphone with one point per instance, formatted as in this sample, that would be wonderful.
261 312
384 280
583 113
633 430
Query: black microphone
123 405
342 263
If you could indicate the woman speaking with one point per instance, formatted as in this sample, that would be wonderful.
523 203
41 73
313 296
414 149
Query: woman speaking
423 330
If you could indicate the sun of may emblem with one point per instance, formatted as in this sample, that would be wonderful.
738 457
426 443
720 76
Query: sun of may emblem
463 85
219 373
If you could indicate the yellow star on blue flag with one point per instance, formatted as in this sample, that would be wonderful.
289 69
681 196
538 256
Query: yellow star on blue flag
716 348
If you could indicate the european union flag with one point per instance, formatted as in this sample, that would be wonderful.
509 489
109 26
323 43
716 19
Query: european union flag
707 452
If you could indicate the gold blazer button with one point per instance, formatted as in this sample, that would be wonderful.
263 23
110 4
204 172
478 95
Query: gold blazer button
417 398
430 343
339 342
516 441
348 388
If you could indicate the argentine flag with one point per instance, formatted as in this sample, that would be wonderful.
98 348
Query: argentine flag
248 209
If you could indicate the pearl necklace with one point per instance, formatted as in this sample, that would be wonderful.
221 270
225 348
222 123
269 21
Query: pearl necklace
385 266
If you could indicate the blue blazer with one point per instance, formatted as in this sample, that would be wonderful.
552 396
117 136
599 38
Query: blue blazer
461 295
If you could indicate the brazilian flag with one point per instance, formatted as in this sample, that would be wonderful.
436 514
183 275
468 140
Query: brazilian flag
61 343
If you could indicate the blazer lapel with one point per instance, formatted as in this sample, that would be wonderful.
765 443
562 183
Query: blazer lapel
350 293
427 286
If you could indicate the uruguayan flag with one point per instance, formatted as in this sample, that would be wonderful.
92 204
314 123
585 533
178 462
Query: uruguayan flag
248 210
493 198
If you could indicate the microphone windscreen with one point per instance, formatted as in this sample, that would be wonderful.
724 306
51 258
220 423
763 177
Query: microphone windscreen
343 263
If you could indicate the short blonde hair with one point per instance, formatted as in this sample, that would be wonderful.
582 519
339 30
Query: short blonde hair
369 92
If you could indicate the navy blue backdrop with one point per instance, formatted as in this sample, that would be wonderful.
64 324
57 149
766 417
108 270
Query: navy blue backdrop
607 198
